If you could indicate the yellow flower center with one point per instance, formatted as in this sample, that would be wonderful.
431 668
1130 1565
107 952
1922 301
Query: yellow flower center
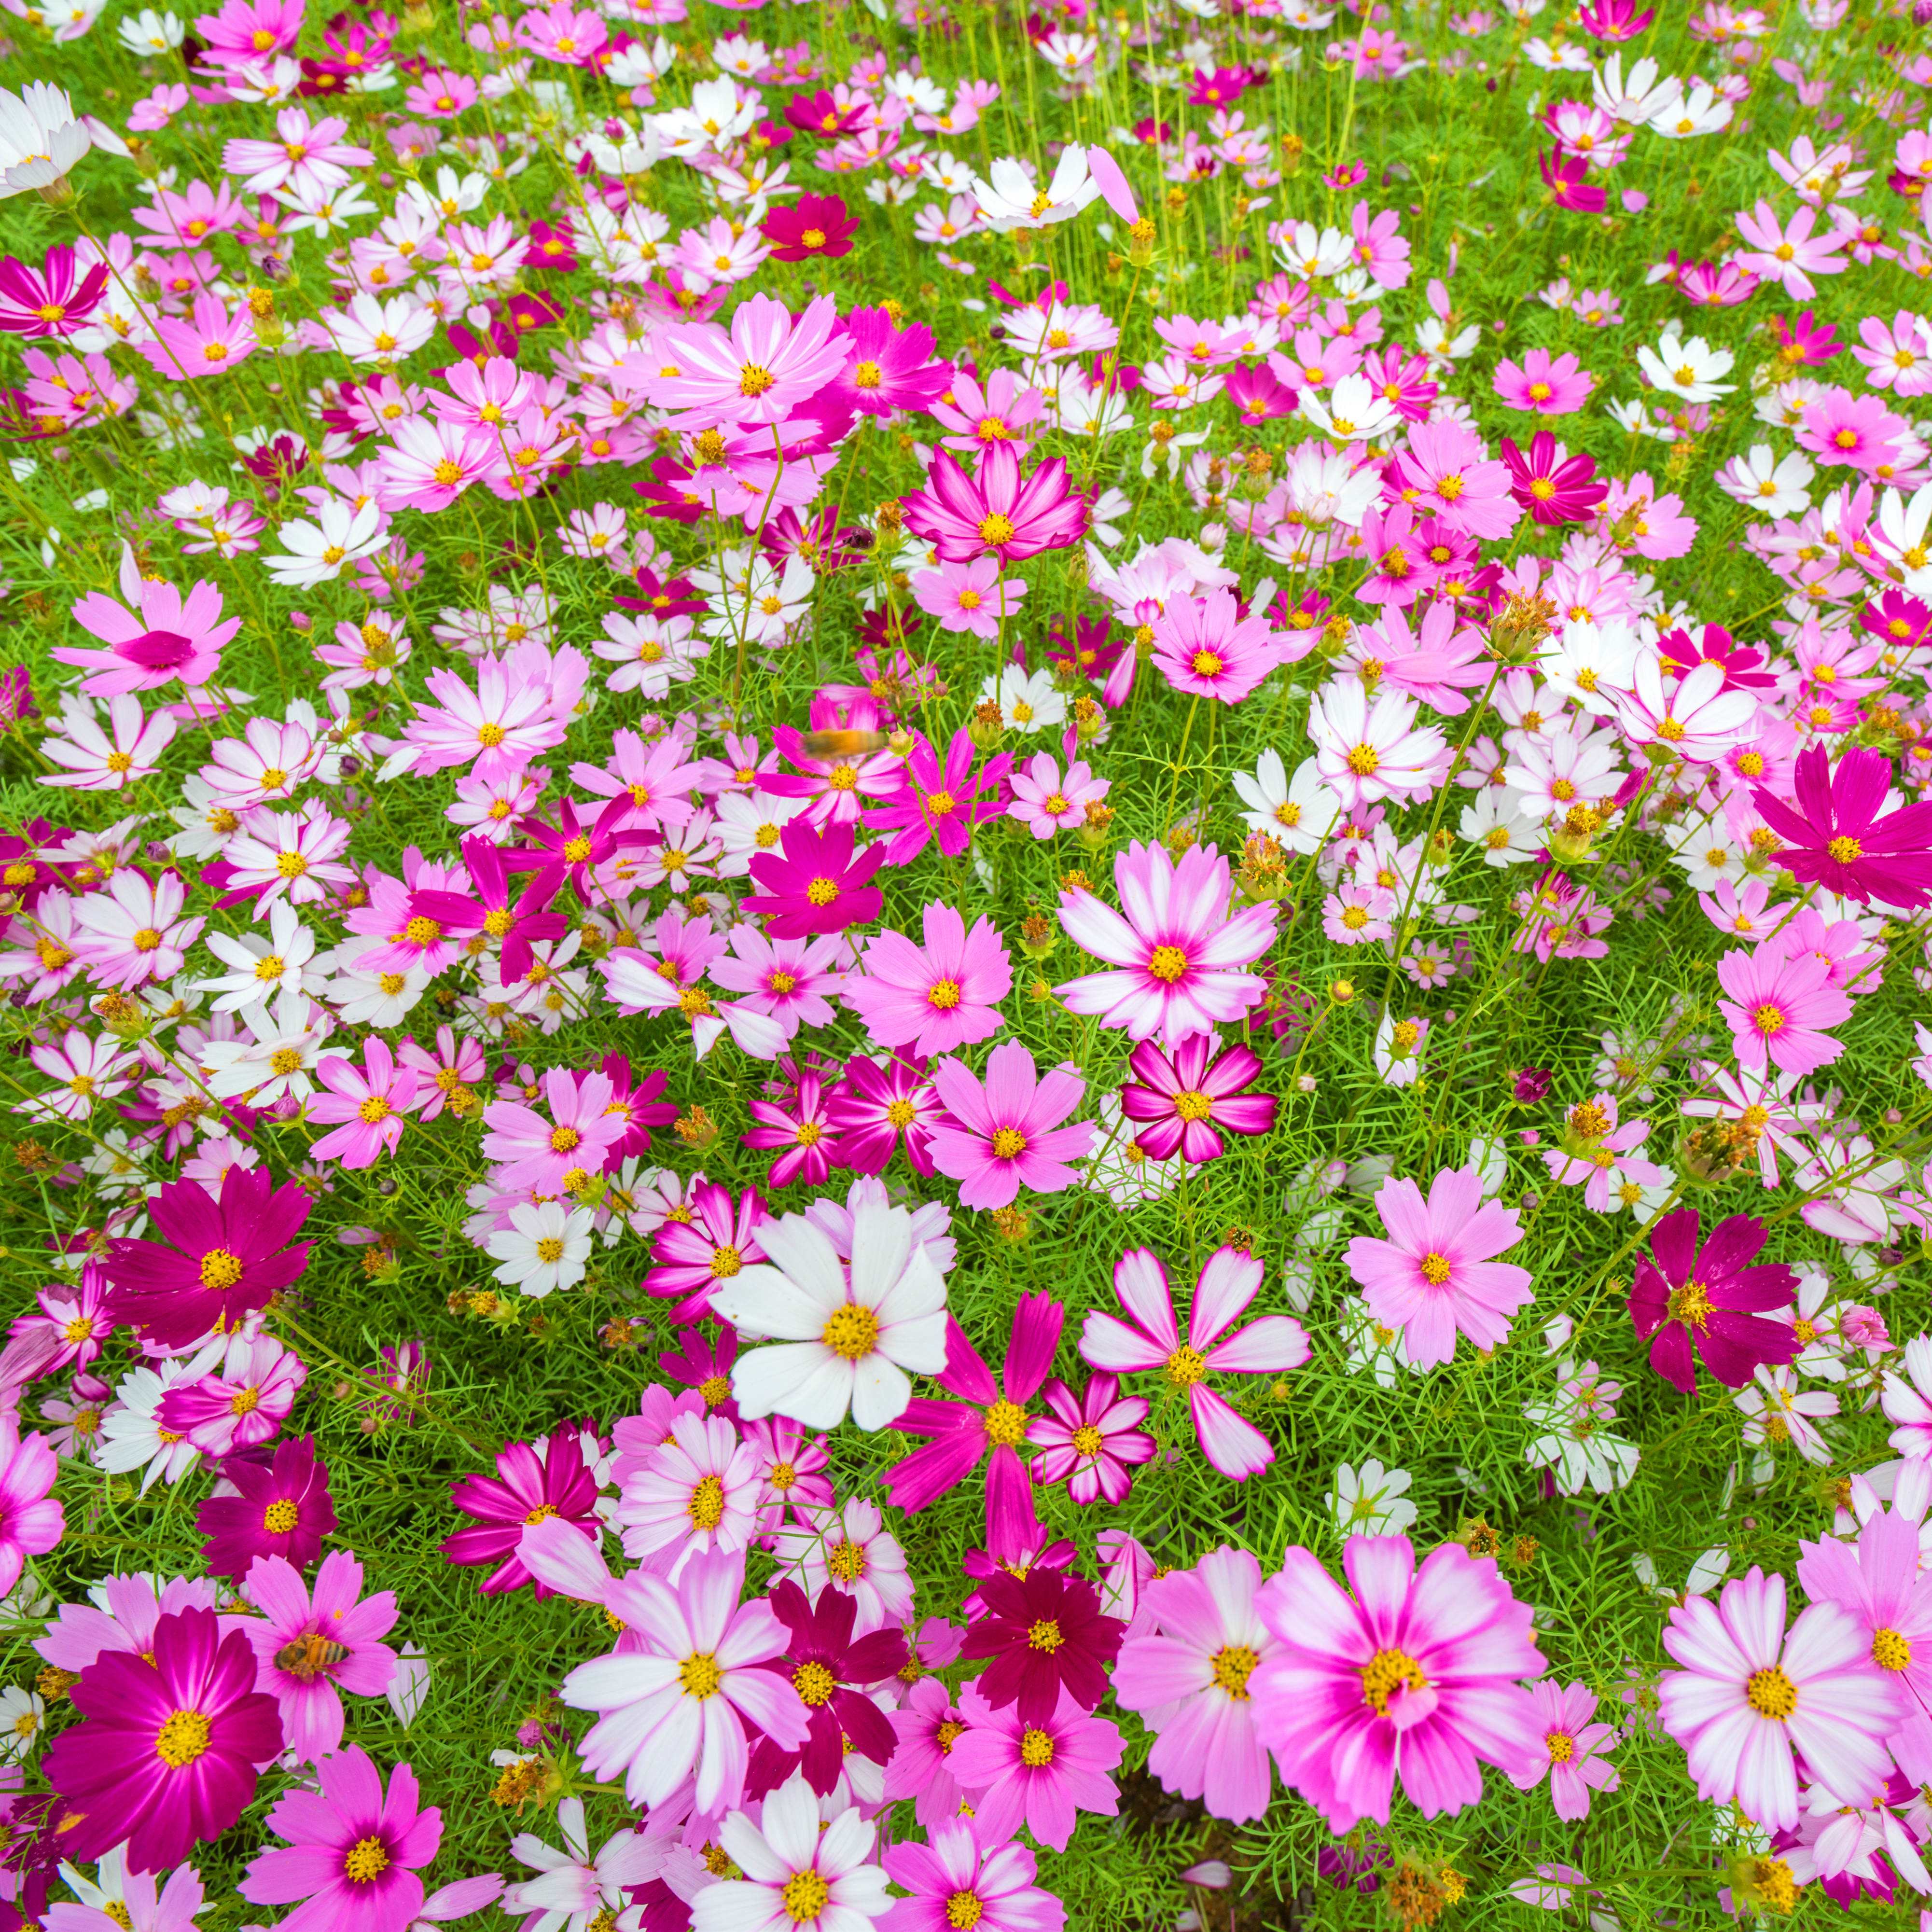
1234 1665
1386 1672
1186 1366
851 1331
219 1269
1436 1269
1167 963
1006 1423
805 1896
183 1736
1770 1694
368 1859
281 1517
1009 1144
700 1675
814 1683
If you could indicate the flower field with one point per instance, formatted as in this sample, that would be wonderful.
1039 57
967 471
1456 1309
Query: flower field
966 968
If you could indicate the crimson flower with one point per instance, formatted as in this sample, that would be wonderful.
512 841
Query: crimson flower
813 883
1552 485
1044 1633
281 1506
526 1489
997 513
826 1666
814 225
1836 837
1186 1102
1709 1305
876 1104
1563 174
221 1261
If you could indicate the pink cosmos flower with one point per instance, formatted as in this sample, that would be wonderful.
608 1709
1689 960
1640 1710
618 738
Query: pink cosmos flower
1188 1677
1270 1345
1789 255
154 636
768 366
353 1851
964 1876
675 1702
996 513
1779 1008
1175 951
934 998
541 1154
311 1645
1877 1582
1414 1675
1550 386
792 981
1577 1749
368 1102
1369 748
1040 1773
133 932
973 596
1045 803
939 804
209 345
127 751
1205 648
989 1418
1089 1441
1434 1277
1453 480
31 1522
1750 1693
1006 1134
1839 834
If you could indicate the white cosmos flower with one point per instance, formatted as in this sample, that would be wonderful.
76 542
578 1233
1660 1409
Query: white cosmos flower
1354 412
1011 199
1371 1500
544 1248
1300 813
846 1336
314 553
41 139
148 33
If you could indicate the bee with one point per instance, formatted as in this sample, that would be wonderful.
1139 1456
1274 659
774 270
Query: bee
843 744
310 1656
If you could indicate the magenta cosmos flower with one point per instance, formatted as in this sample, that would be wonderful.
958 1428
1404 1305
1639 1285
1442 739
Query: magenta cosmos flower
1415 1675
1576 1749
1433 1277
1204 648
876 1106
1548 386
529 1487
963 1876
171 1745
220 1260
935 998
675 1702
31 1522
1176 953
1750 1693
281 1506
1269 1345
365 1104
941 805
1779 1008
1838 834
1090 1440
1709 1305
353 1851
1184 1103
996 513
813 883
1552 485
1041 1774
988 1422
998 1137
1187 1675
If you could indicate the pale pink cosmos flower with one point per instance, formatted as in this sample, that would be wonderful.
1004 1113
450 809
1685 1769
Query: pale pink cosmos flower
974 597
544 1154
1433 1277
1175 951
209 344
1877 1581
1204 649
129 750
1415 1675
1576 1760
1188 1676
133 932
1150 1340
999 1136
674 1702
365 1103
769 364
697 1493
1699 718
1778 1009
1045 803
154 635
935 998
1042 1775
1750 1693
796 1869
792 981
1790 255
1368 749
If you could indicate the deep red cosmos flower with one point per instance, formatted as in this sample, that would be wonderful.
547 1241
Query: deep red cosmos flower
171 1744
813 225
827 1666
1709 1304
281 1508
1044 1633
814 883
525 1488
1553 486
1836 836
220 1260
